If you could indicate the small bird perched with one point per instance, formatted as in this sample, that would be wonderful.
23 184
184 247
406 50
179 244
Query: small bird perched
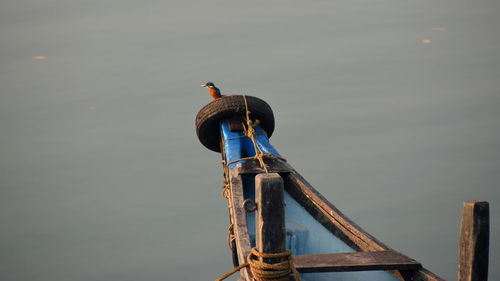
214 91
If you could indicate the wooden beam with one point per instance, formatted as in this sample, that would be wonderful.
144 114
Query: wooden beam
474 241
239 221
356 261
420 275
270 231
252 166
235 123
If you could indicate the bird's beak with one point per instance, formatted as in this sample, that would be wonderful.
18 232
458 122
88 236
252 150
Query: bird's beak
204 86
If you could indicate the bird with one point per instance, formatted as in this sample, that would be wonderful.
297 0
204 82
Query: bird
214 91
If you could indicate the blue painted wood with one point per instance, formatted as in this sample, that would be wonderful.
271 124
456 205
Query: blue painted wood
238 146
263 142
305 235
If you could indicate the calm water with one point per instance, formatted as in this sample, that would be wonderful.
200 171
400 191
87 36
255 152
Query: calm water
389 108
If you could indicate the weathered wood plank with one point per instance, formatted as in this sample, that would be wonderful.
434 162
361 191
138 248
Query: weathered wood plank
273 165
240 222
474 241
356 261
420 275
270 230
235 123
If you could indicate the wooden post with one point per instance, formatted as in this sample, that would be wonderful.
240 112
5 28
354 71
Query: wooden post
474 241
270 231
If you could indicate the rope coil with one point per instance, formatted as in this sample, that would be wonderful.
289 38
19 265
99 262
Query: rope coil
262 271
280 271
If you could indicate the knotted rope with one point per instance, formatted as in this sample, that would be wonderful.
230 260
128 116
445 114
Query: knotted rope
263 271
280 271
250 132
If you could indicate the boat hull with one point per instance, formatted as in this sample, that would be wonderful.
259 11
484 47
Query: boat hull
324 243
314 225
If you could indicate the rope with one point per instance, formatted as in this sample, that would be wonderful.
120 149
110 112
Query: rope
233 271
263 271
230 236
239 137
267 155
250 132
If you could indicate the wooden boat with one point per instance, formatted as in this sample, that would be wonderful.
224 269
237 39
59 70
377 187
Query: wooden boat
325 244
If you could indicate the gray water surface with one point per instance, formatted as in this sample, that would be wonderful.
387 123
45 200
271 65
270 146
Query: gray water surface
389 108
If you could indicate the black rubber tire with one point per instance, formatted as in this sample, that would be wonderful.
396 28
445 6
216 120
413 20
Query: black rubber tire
210 116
